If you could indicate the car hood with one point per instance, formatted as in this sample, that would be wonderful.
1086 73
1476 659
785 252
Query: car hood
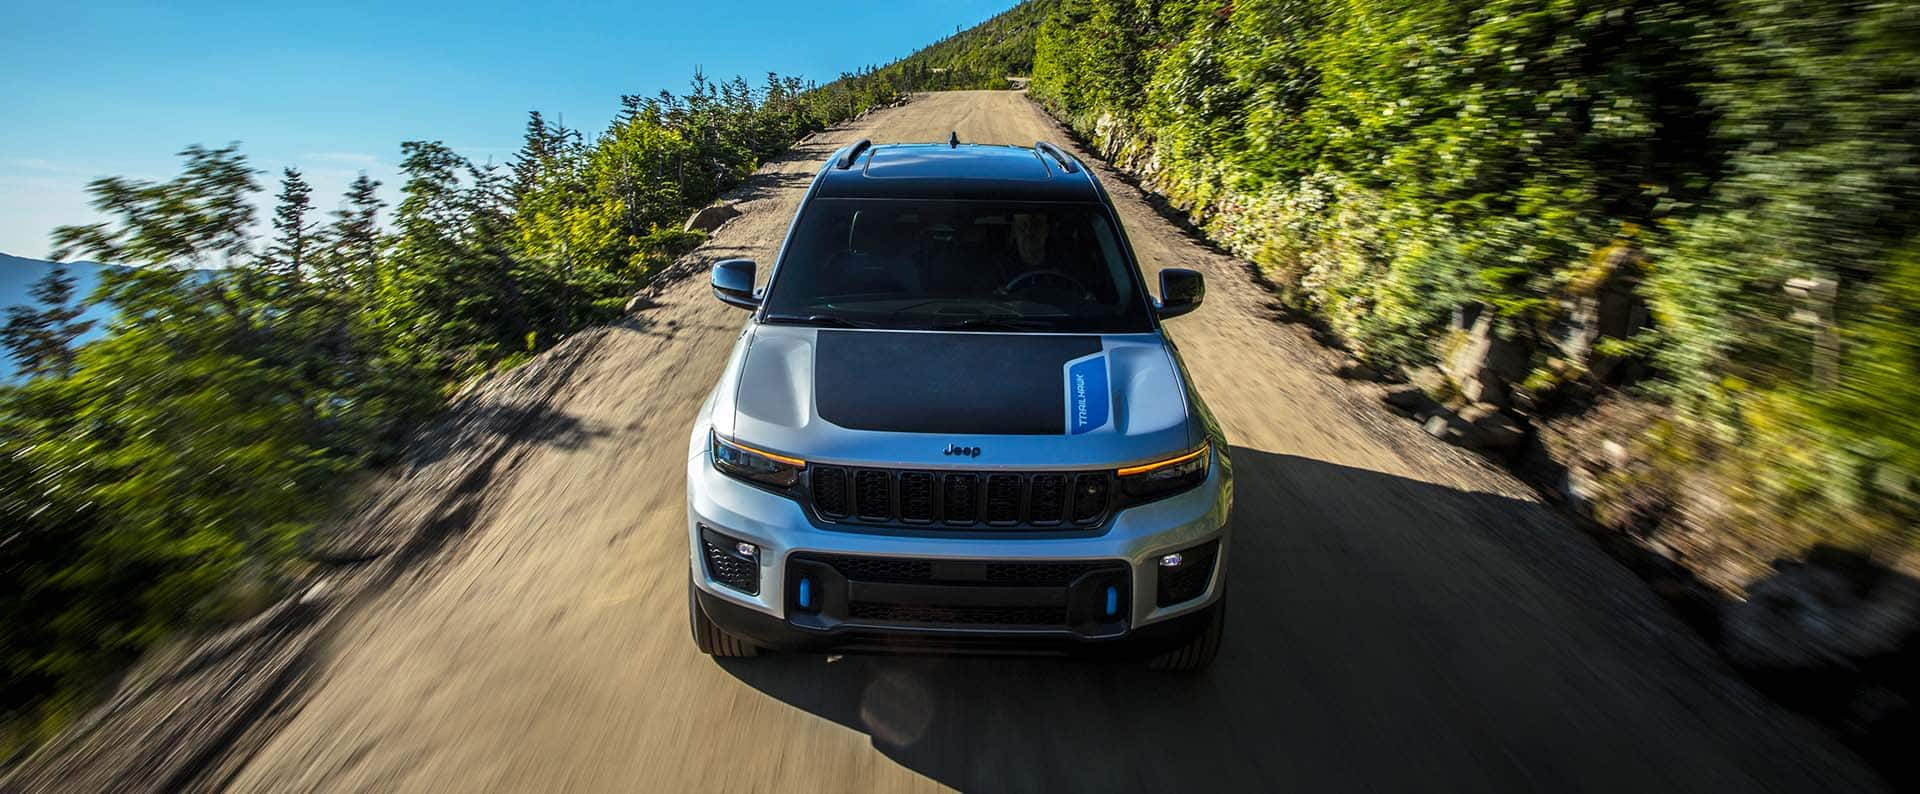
940 400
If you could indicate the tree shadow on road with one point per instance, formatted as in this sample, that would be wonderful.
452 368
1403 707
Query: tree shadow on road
1385 634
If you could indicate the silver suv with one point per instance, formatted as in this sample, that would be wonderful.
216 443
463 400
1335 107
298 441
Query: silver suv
955 424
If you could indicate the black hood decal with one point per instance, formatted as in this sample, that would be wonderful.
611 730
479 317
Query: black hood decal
962 383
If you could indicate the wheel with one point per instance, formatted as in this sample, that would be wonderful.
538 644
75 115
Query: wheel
711 639
1199 651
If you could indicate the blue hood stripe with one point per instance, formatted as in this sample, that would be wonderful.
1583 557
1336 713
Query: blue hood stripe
1088 395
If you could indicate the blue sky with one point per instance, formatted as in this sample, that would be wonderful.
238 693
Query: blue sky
92 89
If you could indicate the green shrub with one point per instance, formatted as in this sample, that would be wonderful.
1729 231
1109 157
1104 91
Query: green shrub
1387 162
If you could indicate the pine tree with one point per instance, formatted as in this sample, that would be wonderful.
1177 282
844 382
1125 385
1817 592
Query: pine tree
535 152
355 237
41 340
288 256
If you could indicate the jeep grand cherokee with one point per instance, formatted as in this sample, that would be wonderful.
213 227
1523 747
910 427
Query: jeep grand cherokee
955 423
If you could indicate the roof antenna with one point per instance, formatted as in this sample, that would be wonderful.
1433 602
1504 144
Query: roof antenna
953 140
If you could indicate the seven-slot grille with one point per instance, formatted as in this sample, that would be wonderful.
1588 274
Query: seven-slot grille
959 498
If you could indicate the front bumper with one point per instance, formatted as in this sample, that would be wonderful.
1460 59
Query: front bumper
1126 553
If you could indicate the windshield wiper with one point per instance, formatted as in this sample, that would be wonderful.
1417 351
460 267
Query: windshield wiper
818 320
994 324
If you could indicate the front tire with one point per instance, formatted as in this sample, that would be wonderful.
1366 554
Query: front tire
1198 653
710 638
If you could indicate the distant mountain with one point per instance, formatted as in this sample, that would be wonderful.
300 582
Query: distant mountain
17 275
997 53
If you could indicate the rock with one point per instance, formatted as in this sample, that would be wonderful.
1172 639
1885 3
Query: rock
1429 379
1615 454
1491 429
1410 399
1446 427
638 302
1484 363
1479 426
710 218
1608 306
1481 390
1352 368
1813 620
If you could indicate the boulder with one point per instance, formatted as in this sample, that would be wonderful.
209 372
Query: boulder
1606 306
1485 363
1352 368
1492 429
1410 400
1816 624
1446 427
710 218
1483 390
1480 426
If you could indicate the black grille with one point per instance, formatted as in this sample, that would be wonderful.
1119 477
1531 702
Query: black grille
873 493
1187 581
916 571
728 568
1083 596
916 496
1003 499
972 616
962 495
960 499
882 569
830 492
1047 503
1047 573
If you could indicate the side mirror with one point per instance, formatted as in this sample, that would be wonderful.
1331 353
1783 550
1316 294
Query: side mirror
733 283
1181 291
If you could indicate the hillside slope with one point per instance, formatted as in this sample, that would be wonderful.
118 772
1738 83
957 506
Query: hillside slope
982 56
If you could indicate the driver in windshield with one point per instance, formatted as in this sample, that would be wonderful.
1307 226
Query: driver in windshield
1029 242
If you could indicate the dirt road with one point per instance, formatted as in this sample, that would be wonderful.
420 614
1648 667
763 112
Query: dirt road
1405 617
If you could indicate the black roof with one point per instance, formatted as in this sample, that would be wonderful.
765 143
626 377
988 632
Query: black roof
967 171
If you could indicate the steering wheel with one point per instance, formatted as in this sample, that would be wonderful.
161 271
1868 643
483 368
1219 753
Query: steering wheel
1030 275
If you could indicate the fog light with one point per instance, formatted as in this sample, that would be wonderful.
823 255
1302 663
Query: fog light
806 593
1170 561
745 549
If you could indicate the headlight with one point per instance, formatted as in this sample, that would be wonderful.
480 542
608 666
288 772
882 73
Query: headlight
1164 477
757 465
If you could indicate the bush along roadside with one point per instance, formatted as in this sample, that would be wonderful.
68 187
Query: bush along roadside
1663 256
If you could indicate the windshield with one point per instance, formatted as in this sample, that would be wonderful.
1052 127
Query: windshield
957 265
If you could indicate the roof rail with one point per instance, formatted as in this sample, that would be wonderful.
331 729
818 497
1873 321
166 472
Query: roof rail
1067 161
953 139
853 153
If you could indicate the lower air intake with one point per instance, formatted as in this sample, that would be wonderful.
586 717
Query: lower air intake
725 566
1188 580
